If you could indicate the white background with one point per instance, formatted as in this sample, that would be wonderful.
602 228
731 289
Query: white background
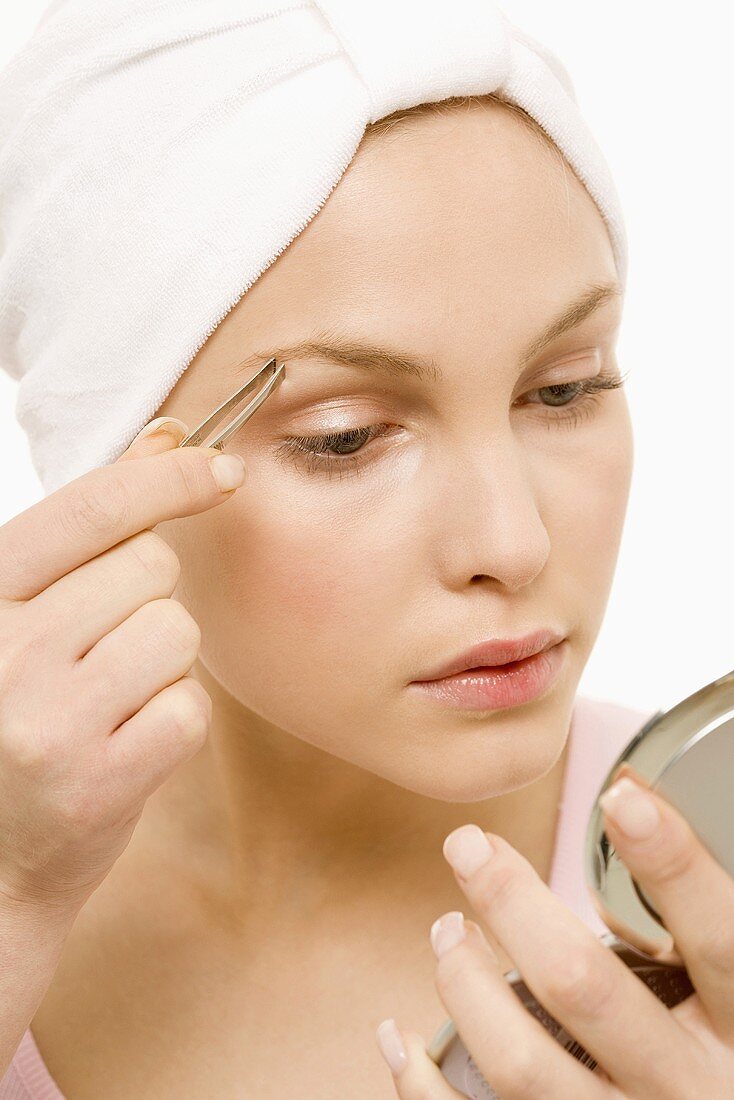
654 83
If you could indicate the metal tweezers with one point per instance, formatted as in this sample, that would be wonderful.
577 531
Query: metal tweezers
199 434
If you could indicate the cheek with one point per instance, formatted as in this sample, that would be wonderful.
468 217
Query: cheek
605 489
590 514
301 621
325 556
321 571
308 587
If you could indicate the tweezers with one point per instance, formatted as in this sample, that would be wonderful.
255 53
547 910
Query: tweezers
197 437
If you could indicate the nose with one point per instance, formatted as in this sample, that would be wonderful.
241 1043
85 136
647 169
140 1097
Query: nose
487 518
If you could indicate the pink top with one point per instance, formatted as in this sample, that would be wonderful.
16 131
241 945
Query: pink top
599 731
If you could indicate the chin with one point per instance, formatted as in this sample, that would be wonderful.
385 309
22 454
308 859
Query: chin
482 768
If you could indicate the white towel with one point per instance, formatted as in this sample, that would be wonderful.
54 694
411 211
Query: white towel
157 155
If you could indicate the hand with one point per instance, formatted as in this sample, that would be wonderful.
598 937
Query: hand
644 1050
96 709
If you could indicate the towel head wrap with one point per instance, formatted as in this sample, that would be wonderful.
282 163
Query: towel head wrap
157 155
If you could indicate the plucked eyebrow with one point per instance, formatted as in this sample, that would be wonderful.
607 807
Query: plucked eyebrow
334 349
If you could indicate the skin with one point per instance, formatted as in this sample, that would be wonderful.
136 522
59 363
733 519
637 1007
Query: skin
643 1050
326 786
475 519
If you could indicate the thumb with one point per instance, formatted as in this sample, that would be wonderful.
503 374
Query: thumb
159 435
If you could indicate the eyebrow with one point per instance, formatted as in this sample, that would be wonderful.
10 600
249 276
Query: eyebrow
351 353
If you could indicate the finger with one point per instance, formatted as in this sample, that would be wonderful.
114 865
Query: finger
688 887
580 982
515 1054
415 1075
170 729
114 583
110 588
159 435
101 508
153 648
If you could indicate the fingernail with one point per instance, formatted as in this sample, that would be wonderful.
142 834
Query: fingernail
467 849
391 1046
632 808
447 931
228 470
169 424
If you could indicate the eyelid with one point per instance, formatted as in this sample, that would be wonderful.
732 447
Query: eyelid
321 421
337 413
590 356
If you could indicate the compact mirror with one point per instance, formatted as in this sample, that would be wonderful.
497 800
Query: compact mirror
685 752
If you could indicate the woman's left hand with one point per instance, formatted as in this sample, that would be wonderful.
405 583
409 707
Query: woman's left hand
643 1049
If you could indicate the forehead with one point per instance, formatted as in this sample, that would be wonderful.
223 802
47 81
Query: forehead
456 202
449 234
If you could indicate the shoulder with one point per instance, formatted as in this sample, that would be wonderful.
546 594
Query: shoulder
600 730
605 719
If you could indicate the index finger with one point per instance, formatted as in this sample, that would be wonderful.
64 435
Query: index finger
579 981
689 888
104 506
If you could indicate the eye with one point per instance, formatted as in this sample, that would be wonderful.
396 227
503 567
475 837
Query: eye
342 452
332 450
578 397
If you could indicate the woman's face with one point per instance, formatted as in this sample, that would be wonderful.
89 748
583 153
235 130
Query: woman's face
470 504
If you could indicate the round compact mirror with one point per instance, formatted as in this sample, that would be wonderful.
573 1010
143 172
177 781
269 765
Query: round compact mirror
686 753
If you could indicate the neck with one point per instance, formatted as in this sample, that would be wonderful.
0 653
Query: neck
264 822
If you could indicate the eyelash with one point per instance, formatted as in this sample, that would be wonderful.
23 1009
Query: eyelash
313 448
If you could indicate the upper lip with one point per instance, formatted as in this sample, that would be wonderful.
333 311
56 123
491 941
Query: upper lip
497 651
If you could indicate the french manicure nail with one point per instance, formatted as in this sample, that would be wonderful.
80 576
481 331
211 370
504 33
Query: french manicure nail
467 849
228 470
391 1046
447 931
631 808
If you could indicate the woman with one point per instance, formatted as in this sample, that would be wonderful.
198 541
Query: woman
272 905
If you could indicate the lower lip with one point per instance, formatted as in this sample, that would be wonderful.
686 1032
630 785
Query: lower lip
498 687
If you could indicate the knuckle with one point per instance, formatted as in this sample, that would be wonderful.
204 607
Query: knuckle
528 1072
26 754
79 810
501 885
200 695
581 984
33 752
190 710
156 556
175 626
98 506
674 861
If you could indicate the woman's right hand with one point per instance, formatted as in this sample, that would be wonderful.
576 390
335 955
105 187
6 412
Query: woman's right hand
96 709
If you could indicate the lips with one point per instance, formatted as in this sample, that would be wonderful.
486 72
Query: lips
500 651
